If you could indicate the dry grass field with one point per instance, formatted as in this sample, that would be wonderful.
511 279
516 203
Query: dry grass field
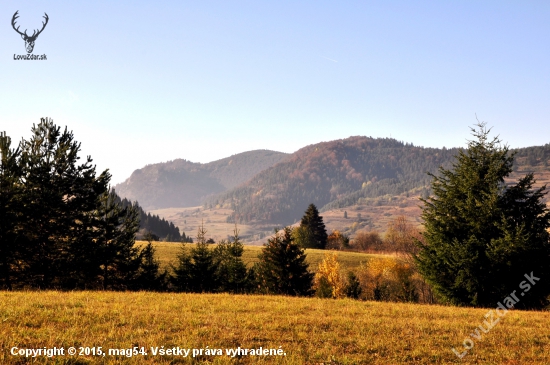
167 253
308 330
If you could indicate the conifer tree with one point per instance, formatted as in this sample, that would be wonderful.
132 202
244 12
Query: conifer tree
149 276
60 196
483 234
353 287
10 193
196 271
119 257
202 269
181 280
231 273
282 268
313 233
59 227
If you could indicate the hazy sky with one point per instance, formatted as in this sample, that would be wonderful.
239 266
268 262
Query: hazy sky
141 82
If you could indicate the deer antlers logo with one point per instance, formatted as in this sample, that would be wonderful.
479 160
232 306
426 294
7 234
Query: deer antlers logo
29 40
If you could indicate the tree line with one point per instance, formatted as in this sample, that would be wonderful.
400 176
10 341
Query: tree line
156 227
62 227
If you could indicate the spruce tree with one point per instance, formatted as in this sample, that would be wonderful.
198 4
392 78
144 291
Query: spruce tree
231 273
149 276
315 235
181 280
483 234
203 271
196 270
282 268
353 287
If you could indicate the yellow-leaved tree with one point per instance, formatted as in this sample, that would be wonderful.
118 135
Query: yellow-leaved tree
328 282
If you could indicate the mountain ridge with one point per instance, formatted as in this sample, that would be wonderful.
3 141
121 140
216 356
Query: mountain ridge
357 170
184 183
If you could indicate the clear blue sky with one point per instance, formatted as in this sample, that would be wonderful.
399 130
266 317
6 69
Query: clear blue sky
142 82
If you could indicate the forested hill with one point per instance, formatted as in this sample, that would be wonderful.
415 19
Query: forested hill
159 228
338 172
356 170
181 183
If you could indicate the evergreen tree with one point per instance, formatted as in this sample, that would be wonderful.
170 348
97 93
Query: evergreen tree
120 258
203 271
149 276
315 235
483 235
231 273
59 199
196 271
60 220
282 268
10 193
181 280
353 287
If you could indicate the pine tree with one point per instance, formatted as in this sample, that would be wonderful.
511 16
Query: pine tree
59 199
149 276
196 270
181 280
59 225
120 259
231 273
203 271
353 287
315 235
10 193
482 234
282 268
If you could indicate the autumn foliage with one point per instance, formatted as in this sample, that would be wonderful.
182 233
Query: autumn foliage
328 281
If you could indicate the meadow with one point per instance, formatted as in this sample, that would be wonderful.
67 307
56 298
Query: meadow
303 330
167 253
307 330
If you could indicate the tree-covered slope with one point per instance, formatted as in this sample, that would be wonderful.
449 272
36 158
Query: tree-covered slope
181 183
337 172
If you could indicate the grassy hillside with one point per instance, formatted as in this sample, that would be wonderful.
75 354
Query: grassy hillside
308 330
181 183
167 253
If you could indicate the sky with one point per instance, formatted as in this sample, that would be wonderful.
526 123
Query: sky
141 82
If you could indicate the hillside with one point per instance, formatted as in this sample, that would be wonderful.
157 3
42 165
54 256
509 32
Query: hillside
372 180
181 183
332 175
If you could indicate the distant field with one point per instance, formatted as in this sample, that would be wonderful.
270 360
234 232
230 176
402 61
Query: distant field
308 330
167 253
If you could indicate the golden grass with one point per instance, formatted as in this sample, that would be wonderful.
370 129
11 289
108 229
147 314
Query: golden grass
310 330
167 253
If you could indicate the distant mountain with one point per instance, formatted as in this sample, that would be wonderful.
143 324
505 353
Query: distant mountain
181 183
341 173
267 188
338 172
